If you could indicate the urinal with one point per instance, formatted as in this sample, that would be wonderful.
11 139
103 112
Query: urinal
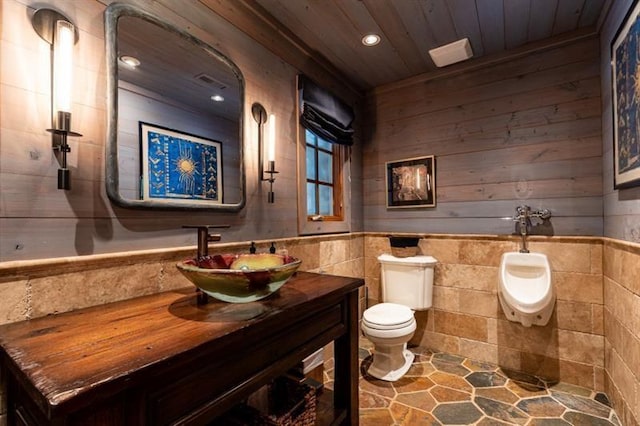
526 292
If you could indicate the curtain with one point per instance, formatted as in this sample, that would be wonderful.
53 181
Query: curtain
325 114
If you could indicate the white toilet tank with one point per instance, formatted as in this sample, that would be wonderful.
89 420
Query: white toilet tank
408 281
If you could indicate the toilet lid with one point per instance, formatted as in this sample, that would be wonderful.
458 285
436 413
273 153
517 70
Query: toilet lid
388 315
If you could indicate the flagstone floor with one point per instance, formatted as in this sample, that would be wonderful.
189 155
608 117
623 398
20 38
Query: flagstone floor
443 389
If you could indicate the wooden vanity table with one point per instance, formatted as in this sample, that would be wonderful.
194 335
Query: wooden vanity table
164 359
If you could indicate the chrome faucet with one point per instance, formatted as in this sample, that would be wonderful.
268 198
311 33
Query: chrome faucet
524 224
204 237
523 218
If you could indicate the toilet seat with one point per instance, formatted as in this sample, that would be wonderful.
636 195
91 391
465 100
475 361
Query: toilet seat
388 316
389 326
375 326
390 334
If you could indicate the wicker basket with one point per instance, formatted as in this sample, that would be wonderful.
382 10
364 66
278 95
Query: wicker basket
404 246
404 251
289 404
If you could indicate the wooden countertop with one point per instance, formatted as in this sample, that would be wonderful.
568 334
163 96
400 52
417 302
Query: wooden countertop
91 353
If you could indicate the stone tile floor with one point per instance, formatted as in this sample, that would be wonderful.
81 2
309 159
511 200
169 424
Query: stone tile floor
443 389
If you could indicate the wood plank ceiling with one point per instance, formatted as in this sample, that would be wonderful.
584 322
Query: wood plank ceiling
333 29
176 68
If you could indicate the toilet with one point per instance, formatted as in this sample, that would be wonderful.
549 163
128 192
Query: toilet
526 292
407 285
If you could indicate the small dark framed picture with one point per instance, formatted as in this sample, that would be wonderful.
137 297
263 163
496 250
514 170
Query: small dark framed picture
411 182
625 60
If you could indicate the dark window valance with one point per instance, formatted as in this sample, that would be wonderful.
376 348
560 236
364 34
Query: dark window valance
325 114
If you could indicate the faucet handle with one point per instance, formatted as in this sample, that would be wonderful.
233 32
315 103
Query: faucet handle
204 237
542 214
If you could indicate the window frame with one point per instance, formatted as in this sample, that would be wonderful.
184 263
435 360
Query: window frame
340 220
337 160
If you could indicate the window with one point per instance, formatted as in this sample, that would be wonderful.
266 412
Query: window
324 139
323 172
323 187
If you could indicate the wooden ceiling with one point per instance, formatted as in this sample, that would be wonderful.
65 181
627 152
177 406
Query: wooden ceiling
330 31
176 71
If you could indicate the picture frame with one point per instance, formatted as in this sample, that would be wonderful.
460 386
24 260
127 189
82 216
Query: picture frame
179 167
411 182
625 59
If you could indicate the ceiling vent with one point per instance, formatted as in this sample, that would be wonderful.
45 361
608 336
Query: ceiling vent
210 81
451 53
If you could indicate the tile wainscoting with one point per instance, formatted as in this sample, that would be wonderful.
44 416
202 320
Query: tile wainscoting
591 341
593 338
467 319
621 274
32 289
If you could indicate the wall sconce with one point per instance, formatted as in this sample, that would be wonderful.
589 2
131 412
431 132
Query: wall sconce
57 30
266 148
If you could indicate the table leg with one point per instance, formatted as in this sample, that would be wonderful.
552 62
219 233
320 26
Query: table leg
346 374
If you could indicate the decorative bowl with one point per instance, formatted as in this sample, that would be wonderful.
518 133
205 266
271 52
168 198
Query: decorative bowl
240 278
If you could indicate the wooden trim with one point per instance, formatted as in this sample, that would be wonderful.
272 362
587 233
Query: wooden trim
338 179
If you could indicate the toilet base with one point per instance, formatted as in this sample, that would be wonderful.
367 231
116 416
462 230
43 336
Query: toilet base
390 363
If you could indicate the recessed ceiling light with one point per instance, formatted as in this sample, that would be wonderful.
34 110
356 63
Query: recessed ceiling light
217 98
130 61
371 39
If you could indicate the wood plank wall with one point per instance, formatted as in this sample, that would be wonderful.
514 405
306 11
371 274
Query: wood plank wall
525 131
39 221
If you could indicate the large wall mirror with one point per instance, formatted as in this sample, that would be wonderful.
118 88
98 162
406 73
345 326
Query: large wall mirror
175 113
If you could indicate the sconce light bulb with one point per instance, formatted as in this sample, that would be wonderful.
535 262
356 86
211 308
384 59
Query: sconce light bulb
271 140
217 98
63 41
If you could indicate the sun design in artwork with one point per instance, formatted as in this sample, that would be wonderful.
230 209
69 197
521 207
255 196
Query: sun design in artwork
187 168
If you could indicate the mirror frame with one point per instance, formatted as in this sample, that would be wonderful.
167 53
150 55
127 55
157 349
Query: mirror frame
112 178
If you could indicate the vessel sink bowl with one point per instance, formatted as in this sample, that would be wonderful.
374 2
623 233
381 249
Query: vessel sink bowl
240 278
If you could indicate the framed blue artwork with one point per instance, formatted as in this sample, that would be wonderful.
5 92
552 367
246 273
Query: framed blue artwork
179 166
625 62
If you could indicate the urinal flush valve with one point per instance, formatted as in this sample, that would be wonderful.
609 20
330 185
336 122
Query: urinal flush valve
523 224
523 218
